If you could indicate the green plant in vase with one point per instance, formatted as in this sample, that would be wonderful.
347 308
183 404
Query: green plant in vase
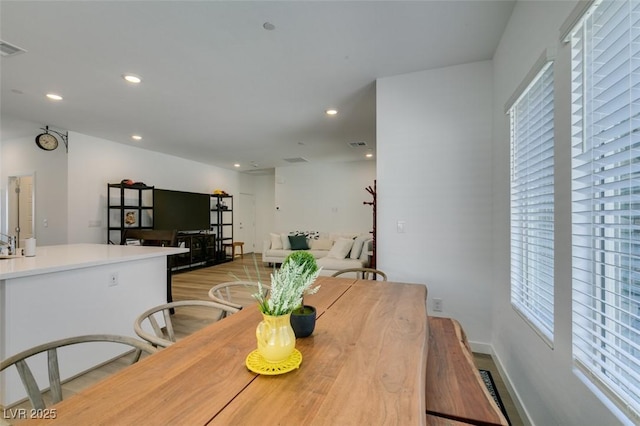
289 284
275 334
309 264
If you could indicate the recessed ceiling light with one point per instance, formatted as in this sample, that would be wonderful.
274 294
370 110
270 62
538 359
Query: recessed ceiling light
369 155
236 165
54 97
136 137
132 78
331 111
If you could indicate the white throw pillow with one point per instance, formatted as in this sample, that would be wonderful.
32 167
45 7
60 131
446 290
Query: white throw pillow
321 244
358 243
340 248
276 242
286 245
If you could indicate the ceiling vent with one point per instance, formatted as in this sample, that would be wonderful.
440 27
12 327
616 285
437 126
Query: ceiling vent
359 144
296 160
7 49
260 172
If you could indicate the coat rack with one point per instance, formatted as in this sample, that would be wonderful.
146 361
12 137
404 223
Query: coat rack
373 192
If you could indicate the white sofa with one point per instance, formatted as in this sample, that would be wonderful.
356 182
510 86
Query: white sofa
333 251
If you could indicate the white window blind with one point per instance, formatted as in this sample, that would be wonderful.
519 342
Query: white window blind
605 49
532 193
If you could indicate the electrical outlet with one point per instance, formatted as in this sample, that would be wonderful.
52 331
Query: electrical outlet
437 305
113 279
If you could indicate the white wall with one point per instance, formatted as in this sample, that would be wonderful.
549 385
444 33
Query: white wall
324 197
20 156
434 174
94 162
542 376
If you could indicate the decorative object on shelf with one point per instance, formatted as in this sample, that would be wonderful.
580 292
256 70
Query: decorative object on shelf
49 142
220 192
132 184
130 218
275 336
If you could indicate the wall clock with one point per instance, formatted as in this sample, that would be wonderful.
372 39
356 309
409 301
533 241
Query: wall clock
46 141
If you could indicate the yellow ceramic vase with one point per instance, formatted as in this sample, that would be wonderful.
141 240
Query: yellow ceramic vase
276 340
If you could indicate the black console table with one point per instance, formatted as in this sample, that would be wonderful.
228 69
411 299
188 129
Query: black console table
202 251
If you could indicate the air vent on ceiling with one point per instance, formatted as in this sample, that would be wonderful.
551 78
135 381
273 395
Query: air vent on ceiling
260 171
359 144
296 160
7 49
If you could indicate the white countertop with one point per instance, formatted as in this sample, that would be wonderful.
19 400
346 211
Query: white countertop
74 256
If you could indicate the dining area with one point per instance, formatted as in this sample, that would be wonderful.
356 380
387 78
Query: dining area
365 363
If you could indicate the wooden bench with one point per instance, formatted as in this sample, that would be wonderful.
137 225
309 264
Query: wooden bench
455 393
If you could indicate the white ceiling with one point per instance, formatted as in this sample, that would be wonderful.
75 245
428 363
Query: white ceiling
217 87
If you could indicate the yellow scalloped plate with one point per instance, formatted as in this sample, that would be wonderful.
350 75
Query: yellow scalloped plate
256 363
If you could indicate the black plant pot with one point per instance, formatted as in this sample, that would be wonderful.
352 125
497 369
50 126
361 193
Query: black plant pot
303 321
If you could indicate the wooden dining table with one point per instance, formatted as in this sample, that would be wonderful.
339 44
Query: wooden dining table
365 364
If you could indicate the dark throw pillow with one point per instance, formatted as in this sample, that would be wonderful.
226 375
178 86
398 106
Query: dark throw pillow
298 242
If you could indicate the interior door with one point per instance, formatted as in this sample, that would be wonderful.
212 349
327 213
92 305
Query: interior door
246 217
20 207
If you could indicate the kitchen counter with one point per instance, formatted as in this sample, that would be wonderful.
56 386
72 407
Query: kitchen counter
71 290
74 256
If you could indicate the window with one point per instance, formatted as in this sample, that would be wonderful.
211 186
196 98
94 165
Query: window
532 202
605 49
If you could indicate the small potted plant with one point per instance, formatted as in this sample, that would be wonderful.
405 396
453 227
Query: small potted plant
303 318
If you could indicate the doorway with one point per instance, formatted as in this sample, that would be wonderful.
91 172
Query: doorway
247 222
21 208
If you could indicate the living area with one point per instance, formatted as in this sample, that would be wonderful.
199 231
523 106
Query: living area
443 172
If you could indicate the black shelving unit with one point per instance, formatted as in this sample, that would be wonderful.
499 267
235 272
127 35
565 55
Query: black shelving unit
128 207
222 224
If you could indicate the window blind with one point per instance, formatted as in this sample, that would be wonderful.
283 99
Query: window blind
605 49
532 204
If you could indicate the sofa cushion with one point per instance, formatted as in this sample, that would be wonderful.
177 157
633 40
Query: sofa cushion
321 244
276 242
340 248
358 243
298 242
286 245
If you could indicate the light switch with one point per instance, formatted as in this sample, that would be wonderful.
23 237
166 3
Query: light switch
401 227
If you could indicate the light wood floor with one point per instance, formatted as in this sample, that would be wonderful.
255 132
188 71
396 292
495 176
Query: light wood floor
195 284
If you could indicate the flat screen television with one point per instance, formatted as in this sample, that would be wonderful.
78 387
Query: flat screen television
183 211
